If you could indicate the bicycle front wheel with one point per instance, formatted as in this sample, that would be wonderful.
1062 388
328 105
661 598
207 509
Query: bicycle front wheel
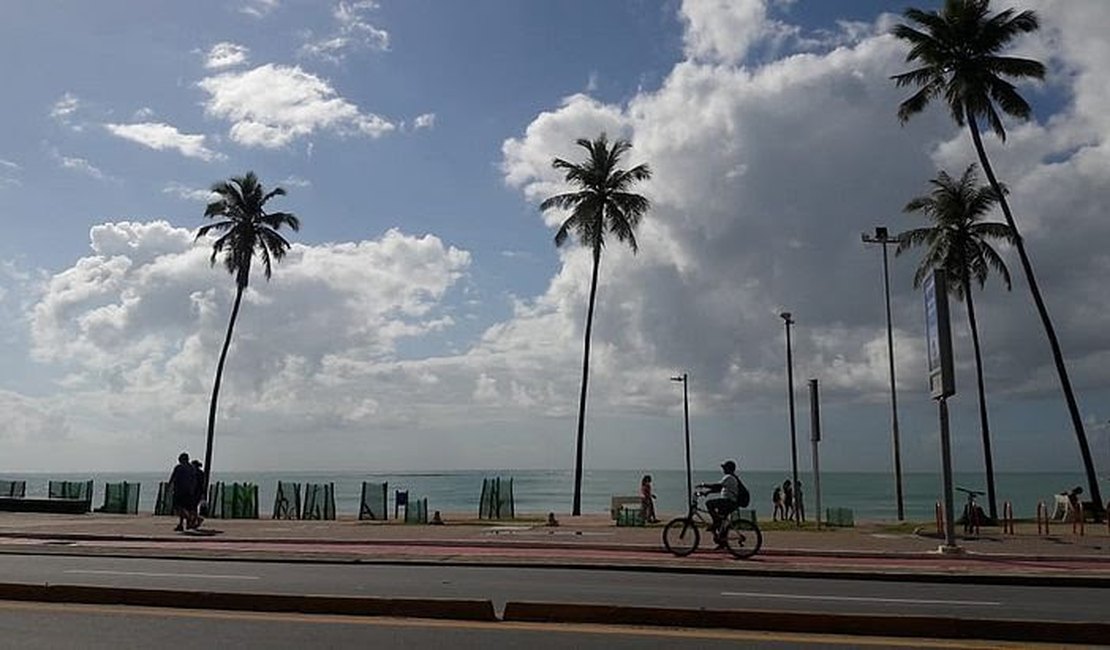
743 538
681 536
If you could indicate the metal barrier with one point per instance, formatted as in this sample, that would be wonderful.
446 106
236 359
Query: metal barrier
939 512
1077 523
1042 518
1007 518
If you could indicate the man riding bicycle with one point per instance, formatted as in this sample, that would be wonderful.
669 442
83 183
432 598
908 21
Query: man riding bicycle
733 495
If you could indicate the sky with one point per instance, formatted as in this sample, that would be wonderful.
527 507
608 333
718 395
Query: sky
423 318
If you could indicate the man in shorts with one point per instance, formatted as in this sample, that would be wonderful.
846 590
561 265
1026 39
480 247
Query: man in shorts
733 495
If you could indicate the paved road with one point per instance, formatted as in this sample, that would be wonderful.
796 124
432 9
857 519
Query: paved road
34 626
571 586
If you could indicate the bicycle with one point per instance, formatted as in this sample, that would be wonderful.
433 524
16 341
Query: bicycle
972 512
682 535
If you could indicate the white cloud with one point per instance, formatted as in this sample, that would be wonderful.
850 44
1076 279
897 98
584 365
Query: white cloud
159 137
226 55
272 105
187 193
82 165
143 114
725 30
294 181
353 33
8 172
259 8
65 110
424 121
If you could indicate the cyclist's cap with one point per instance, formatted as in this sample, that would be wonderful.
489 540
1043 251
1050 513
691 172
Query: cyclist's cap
729 465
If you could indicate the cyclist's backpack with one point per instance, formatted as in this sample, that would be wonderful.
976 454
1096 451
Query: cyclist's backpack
743 497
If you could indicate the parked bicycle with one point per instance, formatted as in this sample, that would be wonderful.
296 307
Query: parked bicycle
682 535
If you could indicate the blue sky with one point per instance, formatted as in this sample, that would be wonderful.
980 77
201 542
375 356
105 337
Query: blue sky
425 319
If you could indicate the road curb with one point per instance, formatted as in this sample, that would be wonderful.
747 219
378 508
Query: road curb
812 623
445 608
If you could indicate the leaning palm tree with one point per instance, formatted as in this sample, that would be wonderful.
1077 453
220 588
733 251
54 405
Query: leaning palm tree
248 230
959 242
958 48
601 203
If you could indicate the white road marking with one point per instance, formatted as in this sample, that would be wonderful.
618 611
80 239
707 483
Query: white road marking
904 601
161 575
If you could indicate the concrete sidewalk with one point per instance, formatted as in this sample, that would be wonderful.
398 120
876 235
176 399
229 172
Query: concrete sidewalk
868 550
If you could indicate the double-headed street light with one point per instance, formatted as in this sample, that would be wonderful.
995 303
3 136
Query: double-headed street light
883 238
788 320
686 418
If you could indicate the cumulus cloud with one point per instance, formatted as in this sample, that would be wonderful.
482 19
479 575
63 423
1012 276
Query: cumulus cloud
725 30
226 55
272 105
159 136
424 121
353 33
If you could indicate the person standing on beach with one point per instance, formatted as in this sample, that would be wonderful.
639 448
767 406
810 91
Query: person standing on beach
183 480
776 501
647 500
787 500
799 503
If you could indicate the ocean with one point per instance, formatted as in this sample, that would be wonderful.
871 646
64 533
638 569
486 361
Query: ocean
869 494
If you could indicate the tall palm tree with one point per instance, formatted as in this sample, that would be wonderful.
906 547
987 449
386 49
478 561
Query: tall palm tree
958 241
601 203
248 230
958 48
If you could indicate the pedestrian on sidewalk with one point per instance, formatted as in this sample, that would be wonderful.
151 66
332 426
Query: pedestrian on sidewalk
200 501
776 500
647 501
183 481
787 500
799 503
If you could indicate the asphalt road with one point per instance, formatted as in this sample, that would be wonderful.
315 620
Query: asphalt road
33 626
570 586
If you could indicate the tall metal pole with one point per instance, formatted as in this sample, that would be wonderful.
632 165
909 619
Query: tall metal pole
686 419
815 437
883 237
946 472
788 320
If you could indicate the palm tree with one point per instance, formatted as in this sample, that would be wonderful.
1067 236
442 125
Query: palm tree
248 230
958 241
958 48
601 203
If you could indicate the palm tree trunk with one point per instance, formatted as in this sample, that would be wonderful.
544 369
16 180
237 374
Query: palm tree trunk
577 509
216 389
984 427
1057 355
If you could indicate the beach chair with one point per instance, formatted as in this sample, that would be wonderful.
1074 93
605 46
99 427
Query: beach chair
319 501
372 504
13 489
121 498
284 508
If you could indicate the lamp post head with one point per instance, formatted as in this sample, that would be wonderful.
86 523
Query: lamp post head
681 377
881 233
788 317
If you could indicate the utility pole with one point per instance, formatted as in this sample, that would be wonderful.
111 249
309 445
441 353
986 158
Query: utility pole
882 237
788 320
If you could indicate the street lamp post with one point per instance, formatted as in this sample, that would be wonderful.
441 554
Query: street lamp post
883 238
788 320
686 419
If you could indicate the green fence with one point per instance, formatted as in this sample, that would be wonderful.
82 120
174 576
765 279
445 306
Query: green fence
629 515
233 501
287 501
121 498
841 517
163 504
374 503
497 499
319 501
13 489
416 512
77 490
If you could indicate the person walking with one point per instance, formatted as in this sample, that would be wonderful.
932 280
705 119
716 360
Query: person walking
799 503
199 498
647 500
787 500
777 511
183 482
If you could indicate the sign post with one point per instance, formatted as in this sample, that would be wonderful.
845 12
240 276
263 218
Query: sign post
815 437
942 385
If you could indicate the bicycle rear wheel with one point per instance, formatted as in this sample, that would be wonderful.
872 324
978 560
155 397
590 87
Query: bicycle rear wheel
681 536
743 538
